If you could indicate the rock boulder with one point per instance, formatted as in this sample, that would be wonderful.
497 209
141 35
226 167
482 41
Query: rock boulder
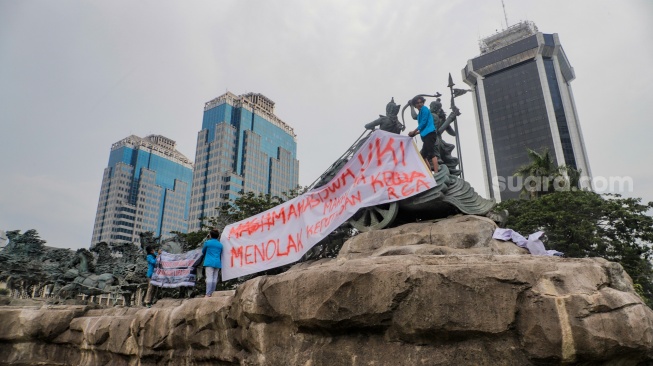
386 300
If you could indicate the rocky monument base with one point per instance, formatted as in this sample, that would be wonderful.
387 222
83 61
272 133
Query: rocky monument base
442 293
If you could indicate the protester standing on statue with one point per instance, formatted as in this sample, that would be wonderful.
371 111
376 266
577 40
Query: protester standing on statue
151 262
426 130
212 250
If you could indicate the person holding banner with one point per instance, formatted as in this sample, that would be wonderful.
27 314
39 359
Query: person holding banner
151 262
212 250
426 130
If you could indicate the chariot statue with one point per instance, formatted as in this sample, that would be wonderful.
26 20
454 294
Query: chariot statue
451 194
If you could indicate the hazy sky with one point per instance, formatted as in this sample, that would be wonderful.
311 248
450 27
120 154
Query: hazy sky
77 76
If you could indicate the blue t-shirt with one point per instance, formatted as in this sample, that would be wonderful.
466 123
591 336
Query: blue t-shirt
212 250
425 123
151 262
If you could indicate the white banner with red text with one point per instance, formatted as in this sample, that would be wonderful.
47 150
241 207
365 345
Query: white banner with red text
386 168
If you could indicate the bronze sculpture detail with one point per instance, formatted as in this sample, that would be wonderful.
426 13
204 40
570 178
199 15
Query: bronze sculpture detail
389 122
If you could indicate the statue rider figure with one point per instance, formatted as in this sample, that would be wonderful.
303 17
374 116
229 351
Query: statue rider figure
390 122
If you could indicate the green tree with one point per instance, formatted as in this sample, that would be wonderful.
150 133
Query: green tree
573 176
192 240
148 239
542 174
28 244
21 262
247 205
586 224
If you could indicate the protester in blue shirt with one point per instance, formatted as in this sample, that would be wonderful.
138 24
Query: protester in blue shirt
151 262
212 250
426 130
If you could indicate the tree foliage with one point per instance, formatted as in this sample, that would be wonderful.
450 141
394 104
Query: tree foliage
586 224
20 260
28 244
543 176
192 240
148 239
247 205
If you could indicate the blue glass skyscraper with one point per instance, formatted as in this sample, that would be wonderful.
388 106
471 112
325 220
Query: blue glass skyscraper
242 147
146 187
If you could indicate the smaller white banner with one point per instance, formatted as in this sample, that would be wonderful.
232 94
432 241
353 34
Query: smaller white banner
386 168
176 270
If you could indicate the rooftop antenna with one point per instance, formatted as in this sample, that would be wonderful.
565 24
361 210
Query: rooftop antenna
505 15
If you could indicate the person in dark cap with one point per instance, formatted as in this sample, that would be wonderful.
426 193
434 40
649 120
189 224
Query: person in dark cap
426 130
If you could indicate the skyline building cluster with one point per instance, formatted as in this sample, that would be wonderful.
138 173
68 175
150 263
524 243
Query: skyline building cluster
150 186
523 99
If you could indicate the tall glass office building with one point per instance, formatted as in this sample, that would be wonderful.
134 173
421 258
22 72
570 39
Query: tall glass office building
146 187
523 99
242 147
